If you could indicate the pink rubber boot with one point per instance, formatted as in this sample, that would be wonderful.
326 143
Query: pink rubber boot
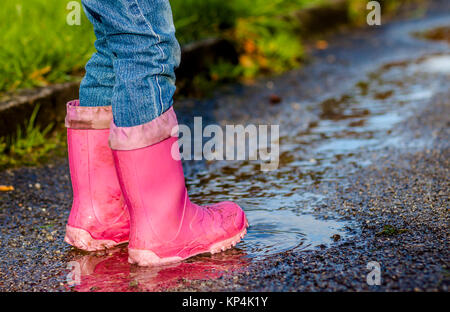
165 226
99 218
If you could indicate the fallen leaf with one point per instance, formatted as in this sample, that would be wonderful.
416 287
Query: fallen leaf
336 237
274 99
6 188
38 73
249 46
321 44
246 61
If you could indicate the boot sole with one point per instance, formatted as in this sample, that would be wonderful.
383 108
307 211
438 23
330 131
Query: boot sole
149 258
81 239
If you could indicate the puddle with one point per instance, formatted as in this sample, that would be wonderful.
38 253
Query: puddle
286 230
280 204
113 273
437 64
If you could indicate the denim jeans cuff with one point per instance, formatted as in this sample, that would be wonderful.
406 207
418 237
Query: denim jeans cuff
84 117
152 132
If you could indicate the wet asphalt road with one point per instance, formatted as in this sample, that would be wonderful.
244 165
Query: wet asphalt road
390 191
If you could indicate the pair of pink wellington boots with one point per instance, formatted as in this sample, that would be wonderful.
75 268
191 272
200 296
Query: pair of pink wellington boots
128 186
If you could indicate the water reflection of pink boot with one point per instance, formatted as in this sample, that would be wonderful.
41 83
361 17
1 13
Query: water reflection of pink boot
165 226
99 218
182 274
112 272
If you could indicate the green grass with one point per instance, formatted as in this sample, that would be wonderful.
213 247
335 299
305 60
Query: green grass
390 230
264 32
37 45
39 48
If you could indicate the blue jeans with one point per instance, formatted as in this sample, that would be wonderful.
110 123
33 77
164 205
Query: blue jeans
137 53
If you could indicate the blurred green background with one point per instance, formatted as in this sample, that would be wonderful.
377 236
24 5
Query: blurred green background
38 47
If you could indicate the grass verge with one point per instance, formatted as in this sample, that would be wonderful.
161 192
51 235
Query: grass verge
39 47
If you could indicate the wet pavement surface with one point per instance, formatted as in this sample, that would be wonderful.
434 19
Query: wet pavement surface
362 177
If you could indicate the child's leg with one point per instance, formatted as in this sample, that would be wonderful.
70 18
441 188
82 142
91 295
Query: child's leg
97 85
98 218
141 38
164 225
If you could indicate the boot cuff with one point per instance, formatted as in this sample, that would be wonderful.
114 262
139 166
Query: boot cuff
152 132
87 117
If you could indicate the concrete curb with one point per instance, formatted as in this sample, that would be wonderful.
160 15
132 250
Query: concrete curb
16 111
196 57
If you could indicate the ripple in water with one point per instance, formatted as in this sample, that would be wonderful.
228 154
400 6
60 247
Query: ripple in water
282 230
